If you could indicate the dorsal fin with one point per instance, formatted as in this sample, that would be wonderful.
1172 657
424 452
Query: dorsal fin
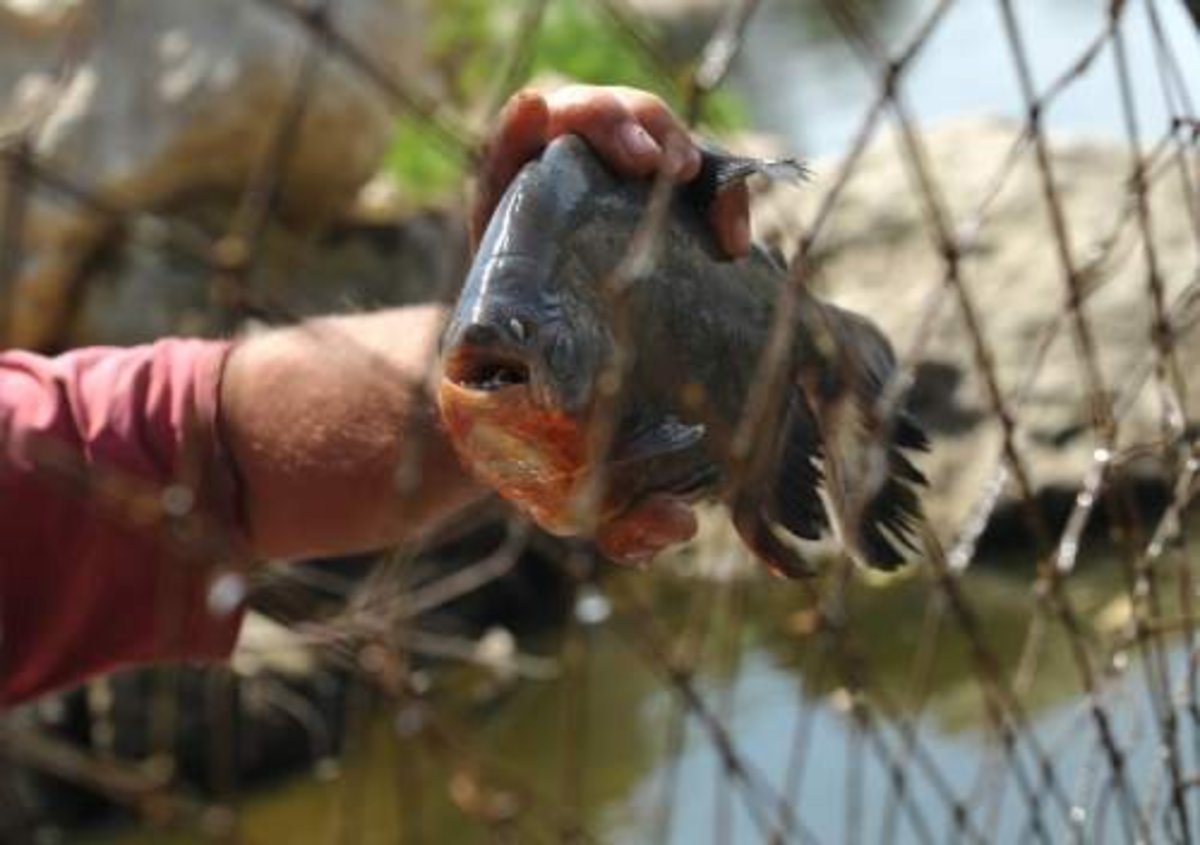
720 169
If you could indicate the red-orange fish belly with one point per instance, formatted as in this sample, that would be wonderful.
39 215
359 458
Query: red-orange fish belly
534 457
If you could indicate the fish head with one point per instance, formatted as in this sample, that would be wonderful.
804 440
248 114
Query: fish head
530 336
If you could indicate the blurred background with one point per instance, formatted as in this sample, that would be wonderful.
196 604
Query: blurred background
1008 187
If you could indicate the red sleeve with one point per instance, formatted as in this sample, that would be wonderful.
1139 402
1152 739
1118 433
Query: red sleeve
118 508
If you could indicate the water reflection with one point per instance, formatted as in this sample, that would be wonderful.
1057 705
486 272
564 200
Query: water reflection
784 693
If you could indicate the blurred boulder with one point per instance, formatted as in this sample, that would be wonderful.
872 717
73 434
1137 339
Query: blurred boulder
153 104
141 289
877 255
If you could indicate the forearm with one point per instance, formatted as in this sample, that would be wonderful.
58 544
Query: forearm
334 433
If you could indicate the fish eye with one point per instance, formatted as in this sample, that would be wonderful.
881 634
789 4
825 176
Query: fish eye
517 327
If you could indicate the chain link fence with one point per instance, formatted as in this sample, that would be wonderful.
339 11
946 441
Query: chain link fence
1032 678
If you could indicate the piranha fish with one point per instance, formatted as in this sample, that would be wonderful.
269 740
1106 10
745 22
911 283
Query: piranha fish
542 348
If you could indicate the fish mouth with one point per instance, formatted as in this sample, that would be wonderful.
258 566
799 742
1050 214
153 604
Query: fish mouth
487 370
528 452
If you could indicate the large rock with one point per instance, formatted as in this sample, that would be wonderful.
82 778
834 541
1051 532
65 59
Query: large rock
142 291
175 99
877 256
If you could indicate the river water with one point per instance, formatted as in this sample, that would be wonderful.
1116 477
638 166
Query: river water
605 745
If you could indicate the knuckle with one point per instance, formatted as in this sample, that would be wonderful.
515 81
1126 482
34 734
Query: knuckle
579 105
656 114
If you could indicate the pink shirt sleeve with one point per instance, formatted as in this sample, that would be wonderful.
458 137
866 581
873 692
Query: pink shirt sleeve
118 506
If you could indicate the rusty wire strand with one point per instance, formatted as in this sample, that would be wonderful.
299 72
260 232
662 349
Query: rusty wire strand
380 639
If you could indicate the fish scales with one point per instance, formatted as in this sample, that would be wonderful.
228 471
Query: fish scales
537 325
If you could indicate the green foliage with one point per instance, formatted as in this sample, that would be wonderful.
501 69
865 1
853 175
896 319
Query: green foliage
471 43
576 40
426 168
580 41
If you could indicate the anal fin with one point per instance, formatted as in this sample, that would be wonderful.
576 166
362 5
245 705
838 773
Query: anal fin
754 527
795 501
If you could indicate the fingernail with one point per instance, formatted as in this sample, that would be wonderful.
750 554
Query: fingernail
636 141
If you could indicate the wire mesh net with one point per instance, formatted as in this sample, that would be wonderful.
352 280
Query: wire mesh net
1032 677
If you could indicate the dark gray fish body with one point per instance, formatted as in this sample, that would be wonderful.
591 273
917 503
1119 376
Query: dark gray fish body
541 316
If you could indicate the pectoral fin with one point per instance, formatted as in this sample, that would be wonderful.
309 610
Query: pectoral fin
646 438
662 454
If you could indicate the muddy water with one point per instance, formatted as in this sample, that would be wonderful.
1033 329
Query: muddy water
605 747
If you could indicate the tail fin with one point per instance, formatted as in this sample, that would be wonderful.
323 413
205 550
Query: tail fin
869 477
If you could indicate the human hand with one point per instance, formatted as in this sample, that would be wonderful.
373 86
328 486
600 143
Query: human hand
634 131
